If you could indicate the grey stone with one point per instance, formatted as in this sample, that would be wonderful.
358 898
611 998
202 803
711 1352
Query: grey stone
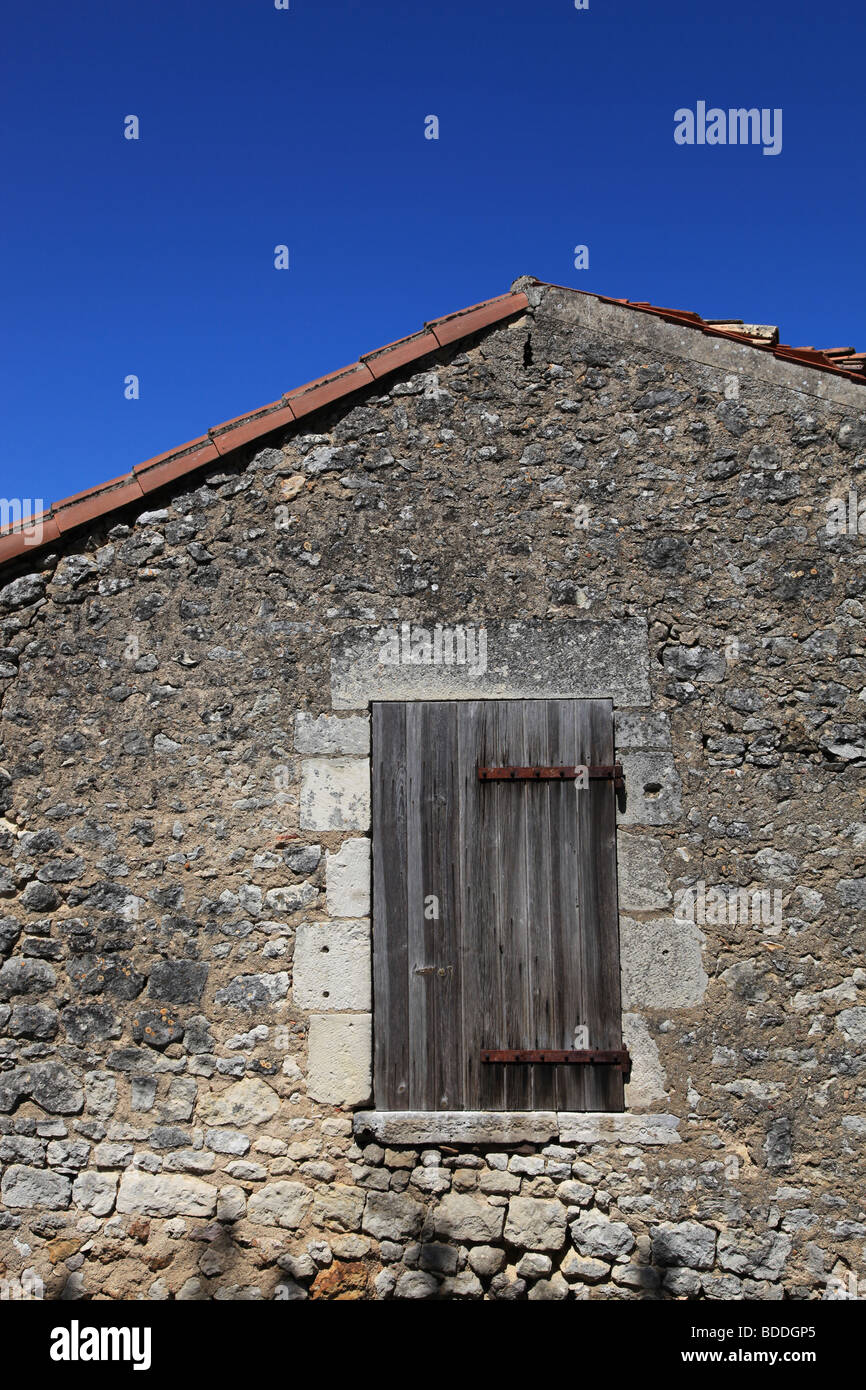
853 1024
178 981
532 1266
595 1235
694 663
100 1090
283 1204
643 883
26 589
163 1194
686 1243
852 892
581 1268
114 975
40 897
35 1187
51 1085
291 899
338 1207
682 1283
87 1023
636 1276
10 930
463 1285
438 1259
250 992
156 1029
552 1290
534 1223
391 1216
486 1260
33 1021
95 1192
304 860
641 729
779 1142
415 1284
19 976
466 1218
227 1141
758 1256
574 1194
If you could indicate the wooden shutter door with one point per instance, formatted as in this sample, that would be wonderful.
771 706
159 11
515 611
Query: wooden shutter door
494 905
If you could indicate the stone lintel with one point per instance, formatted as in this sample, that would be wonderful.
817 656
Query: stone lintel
573 659
514 1127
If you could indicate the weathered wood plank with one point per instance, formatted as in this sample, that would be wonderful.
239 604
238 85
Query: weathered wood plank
420 982
442 882
542 901
599 937
390 944
482 1005
513 824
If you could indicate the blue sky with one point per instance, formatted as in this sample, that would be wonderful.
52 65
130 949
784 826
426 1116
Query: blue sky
305 127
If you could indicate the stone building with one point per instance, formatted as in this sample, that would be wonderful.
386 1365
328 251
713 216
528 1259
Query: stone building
648 521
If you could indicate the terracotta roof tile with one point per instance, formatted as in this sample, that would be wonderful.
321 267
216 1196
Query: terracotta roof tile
231 435
97 501
305 399
156 472
387 359
16 541
223 439
466 321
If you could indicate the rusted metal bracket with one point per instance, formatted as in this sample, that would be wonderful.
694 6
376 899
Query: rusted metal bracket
598 772
594 1057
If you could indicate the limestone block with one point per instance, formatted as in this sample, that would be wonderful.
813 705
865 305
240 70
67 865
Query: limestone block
332 966
335 794
661 963
347 879
648 1080
641 729
641 878
340 1058
330 733
161 1194
652 789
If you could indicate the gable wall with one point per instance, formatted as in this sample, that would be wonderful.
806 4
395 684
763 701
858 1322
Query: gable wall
166 846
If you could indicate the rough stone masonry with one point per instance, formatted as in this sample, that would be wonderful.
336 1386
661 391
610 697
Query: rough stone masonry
628 508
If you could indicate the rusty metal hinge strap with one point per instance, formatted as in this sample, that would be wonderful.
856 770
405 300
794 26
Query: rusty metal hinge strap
596 772
614 1057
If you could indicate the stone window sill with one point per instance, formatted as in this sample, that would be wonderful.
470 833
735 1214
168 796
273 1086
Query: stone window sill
515 1127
